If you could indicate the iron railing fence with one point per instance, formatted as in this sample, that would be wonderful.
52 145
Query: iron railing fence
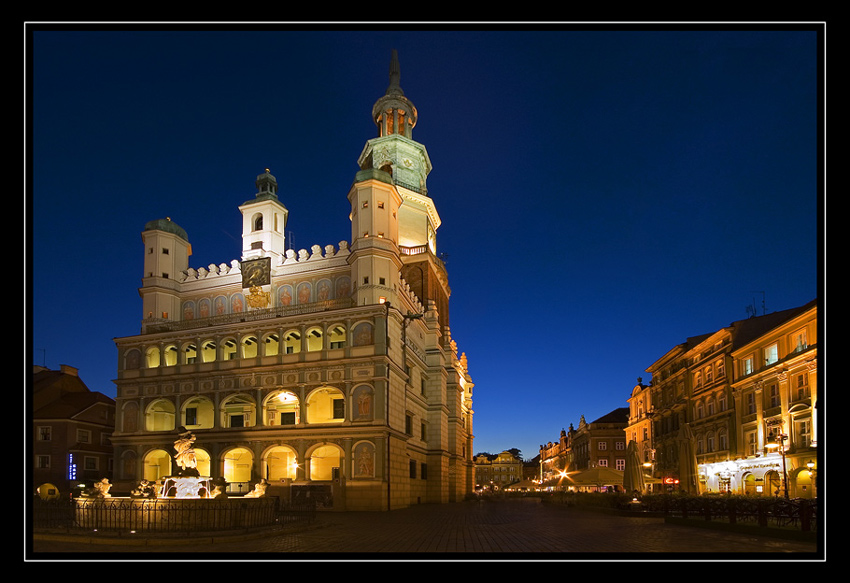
778 512
167 515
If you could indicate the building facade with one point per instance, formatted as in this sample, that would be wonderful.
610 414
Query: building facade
494 472
72 427
329 372
744 398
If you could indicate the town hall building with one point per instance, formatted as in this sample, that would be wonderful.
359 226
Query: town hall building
329 372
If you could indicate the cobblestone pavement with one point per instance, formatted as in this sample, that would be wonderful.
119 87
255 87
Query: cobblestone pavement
509 530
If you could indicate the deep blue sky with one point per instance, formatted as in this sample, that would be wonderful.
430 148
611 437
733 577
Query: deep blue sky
604 194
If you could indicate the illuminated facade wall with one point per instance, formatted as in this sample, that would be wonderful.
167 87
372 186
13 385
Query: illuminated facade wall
736 389
496 472
312 368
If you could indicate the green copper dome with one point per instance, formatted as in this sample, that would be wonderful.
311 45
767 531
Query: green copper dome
168 226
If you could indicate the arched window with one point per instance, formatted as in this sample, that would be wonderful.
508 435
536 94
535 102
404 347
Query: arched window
258 222
170 354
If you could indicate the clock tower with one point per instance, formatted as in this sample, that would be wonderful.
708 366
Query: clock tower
403 220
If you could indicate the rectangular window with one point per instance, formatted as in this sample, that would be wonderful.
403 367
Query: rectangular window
412 470
237 420
191 416
620 464
747 365
90 462
287 418
423 471
339 408
771 354
408 424
83 436
773 395
44 433
602 445
42 462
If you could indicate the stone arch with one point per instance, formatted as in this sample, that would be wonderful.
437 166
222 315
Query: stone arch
326 461
160 415
249 347
156 465
237 464
280 462
325 404
132 359
229 348
337 336
292 342
281 407
315 339
209 350
271 344
198 412
237 410
152 357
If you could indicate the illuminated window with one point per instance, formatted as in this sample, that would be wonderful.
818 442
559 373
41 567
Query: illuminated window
771 354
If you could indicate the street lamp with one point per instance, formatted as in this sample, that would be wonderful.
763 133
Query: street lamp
778 440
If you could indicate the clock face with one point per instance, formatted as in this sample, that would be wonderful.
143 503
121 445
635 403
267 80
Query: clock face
256 272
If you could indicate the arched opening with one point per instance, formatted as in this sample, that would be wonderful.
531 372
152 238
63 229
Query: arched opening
160 416
282 408
190 353
336 336
152 357
237 466
228 349
326 405
157 465
208 351
315 339
237 411
271 345
257 222
198 413
249 347
170 355
772 484
325 462
280 463
292 342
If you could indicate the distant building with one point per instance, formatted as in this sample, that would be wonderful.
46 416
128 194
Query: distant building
330 372
72 426
494 472
601 443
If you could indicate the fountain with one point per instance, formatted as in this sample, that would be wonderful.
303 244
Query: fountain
182 502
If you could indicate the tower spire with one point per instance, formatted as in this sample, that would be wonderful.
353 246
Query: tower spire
395 76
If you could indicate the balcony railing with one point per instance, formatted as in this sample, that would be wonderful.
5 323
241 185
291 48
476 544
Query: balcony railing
154 325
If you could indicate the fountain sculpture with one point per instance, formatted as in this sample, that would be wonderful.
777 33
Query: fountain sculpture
181 502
